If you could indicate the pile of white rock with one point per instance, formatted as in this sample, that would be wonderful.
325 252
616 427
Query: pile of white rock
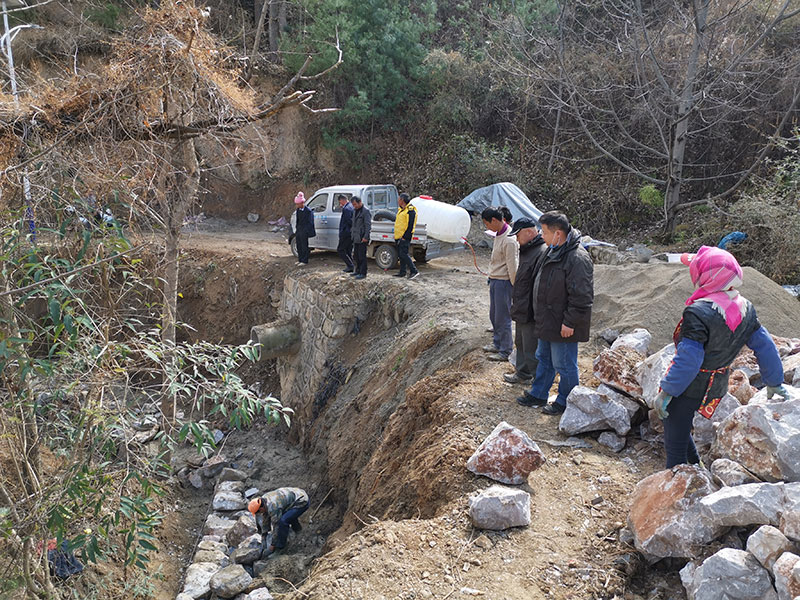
226 563
630 379
747 502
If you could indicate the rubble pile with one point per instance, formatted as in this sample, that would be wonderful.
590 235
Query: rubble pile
747 503
227 560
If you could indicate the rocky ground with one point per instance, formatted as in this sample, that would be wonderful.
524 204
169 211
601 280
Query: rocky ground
576 545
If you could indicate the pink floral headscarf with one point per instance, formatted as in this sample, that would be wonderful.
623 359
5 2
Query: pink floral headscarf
716 274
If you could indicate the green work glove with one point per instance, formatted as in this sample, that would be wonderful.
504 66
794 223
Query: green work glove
781 391
660 404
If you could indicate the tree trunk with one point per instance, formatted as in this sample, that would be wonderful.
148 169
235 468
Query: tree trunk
257 42
185 180
680 128
274 32
282 10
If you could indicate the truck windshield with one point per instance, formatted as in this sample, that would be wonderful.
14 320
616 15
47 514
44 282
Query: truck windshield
318 203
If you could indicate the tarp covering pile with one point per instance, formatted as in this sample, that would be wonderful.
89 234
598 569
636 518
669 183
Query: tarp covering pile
501 194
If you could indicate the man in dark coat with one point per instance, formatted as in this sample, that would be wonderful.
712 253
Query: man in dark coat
362 226
345 247
563 292
531 250
304 228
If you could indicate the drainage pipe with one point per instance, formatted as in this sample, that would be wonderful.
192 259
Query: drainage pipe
277 338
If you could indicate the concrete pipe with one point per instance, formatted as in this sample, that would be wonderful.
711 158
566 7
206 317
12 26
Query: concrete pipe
277 338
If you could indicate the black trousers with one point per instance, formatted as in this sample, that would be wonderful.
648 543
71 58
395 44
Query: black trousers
405 259
360 258
345 250
302 248
678 441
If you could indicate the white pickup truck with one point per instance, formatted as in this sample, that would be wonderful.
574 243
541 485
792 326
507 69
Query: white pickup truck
381 200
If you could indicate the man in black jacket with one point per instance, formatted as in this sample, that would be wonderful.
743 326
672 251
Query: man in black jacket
362 226
345 247
531 251
563 292
304 228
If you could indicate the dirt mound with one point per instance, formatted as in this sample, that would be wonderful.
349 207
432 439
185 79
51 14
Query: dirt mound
653 295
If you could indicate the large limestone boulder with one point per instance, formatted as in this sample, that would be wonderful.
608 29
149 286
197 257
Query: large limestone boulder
228 501
248 551
507 455
213 466
665 516
705 429
197 580
617 367
786 572
244 527
790 518
212 556
739 386
767 544
229 474
638 340
728 472
500 507
744 505
228 582
230 486
728 575
650 372
217 525
763 438
589 410
212 546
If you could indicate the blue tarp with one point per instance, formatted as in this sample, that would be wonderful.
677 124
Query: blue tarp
501 194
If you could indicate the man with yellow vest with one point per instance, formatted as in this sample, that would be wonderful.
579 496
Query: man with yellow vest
404 225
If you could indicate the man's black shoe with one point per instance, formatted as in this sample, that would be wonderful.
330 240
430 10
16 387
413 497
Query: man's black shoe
399 275
527 400
554 408
296 527
347 270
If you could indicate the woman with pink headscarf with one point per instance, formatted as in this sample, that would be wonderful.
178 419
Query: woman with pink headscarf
304 228
717 322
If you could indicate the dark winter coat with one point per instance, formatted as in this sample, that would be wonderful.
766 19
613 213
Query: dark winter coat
530 257
563 292
362 224
346 222
305 222
702 323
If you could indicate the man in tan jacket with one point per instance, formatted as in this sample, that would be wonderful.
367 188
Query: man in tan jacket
502 272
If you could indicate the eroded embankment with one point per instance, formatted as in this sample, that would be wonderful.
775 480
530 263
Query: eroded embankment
374 361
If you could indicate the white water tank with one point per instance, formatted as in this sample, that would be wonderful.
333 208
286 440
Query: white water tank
444 222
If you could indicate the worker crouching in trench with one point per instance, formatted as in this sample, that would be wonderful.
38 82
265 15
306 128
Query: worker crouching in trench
278 510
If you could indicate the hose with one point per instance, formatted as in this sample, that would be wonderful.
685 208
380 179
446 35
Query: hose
474 256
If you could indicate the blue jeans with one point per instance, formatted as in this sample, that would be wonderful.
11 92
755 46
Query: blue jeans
287 519
678 442
500 314
555 357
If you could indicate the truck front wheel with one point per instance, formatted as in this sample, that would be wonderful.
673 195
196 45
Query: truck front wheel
386 257
293 246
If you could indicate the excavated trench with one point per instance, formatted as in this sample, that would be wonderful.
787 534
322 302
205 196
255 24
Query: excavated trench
349 374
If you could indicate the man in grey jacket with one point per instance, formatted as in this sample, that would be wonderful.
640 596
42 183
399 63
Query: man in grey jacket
362 226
